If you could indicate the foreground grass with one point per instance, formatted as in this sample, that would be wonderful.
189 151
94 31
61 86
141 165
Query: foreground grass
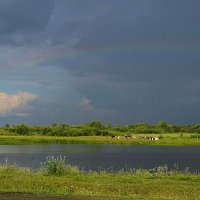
136 184
167 139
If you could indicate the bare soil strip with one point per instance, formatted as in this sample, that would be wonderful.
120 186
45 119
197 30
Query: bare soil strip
21 196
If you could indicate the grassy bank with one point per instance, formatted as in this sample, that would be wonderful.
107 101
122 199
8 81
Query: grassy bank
134 184
166 139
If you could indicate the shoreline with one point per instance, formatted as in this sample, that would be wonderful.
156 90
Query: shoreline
167 140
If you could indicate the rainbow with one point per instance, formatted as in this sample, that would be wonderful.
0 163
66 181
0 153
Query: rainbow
63 52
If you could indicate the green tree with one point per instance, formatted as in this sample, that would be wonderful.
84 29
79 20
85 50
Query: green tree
163 124
22 129
96 124
7 125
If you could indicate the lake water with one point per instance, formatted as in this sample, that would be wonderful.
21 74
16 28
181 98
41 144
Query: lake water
98 157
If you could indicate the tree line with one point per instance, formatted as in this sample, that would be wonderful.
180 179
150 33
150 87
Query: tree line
96 128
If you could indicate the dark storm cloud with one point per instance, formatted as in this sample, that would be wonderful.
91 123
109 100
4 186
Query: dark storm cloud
137 58
24 15
165 39
163 59
166 31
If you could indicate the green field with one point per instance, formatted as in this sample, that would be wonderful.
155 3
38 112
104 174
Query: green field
135 184
173 139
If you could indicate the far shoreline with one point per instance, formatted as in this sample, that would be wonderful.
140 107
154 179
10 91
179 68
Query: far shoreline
171 139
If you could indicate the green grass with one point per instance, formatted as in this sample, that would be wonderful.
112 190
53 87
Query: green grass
168 139
135 184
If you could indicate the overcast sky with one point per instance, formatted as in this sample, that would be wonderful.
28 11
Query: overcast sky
118 61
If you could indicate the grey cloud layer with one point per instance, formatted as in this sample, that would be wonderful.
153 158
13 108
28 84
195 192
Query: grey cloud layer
139 58
24 15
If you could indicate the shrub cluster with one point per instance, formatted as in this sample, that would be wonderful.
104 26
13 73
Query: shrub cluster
96 128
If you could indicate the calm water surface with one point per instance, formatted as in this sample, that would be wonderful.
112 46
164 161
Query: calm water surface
98 157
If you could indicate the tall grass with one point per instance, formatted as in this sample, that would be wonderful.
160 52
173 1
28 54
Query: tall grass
57 166
57 177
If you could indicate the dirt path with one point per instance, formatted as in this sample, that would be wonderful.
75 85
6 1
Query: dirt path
18 196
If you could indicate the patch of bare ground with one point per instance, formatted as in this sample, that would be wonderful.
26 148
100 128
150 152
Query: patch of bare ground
21 196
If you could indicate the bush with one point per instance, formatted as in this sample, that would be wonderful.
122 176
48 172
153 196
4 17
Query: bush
54 165
22 129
